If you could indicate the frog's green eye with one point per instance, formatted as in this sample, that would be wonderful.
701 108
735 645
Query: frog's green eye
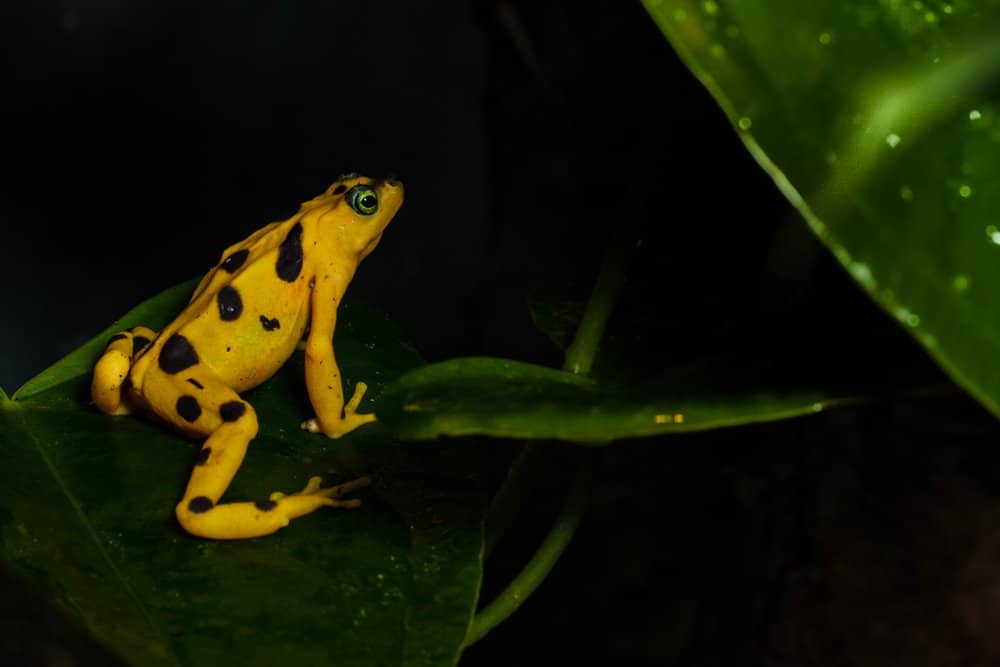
362 198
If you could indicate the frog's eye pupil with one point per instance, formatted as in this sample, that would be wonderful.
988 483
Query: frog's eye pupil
362 199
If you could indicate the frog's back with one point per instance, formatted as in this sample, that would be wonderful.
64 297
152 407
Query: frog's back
249 312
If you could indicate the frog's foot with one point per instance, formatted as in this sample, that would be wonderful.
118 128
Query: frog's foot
232 424
111 371
350 421
330 496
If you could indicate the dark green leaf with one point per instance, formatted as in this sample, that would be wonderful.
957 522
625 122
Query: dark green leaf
86 519
506 398
153 313
881 123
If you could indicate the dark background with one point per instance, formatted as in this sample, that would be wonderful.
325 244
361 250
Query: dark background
140 140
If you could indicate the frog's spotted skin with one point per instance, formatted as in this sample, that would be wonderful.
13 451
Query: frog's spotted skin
243 322
233 262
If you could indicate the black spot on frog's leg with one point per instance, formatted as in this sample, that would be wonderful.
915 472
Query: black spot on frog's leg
139 343
203 456
290 255
117 337
265 505
200 505
177 355
232 410
230 304
234 261
188 408
196 383
269 324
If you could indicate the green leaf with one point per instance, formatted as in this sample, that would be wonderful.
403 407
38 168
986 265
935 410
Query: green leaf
881 123
504 398
154 313
86 519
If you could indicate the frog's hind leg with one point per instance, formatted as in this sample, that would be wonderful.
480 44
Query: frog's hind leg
232 423
111 371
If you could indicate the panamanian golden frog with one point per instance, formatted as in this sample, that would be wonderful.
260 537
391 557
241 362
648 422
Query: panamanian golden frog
243 322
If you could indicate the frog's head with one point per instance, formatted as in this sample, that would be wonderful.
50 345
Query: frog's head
361 208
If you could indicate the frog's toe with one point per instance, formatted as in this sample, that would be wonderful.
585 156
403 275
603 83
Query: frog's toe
311 487
353 420
341 489
329 496
352 405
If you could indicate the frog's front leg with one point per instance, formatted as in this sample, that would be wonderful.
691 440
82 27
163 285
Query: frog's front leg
334 417
349 421
208 407
112 369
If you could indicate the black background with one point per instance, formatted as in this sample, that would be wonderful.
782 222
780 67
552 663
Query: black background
141 139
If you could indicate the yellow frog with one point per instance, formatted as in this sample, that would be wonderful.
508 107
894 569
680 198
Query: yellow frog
243 322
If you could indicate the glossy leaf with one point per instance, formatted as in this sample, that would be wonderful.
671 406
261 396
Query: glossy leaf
86 519
500 397
881 123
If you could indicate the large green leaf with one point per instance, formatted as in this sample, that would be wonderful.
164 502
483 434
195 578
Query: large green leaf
880 121
506 398
86 505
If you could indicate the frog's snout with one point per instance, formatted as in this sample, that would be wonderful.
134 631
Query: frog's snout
393 182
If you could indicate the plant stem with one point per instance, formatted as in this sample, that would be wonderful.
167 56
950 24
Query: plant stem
579 359
542 561
587 339
507 502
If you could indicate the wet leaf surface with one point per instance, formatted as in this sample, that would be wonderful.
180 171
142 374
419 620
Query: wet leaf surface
880 122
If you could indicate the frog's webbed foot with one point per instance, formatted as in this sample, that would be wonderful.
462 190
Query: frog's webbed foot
350 421
330 496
